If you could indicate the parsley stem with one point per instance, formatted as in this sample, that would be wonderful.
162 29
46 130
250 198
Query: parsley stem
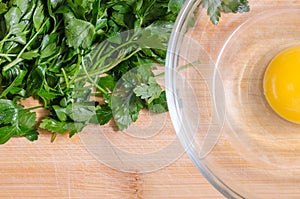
53 137
7 55
4 39
33 38
91 80
76 74
180 68
57 26
66 78
13 63
35 107
19 59
106 68
117 49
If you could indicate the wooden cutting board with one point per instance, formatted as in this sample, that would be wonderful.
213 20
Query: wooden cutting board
68 169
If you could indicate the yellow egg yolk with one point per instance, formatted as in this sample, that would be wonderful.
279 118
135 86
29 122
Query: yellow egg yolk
282 84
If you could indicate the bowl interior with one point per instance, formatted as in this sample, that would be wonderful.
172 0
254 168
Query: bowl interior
215 93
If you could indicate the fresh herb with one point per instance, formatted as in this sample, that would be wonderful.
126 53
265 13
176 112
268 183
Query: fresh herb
137 89
74 56
215 7
86 61
16 121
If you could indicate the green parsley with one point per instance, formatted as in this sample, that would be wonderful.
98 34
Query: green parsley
215 7
65 53
68 53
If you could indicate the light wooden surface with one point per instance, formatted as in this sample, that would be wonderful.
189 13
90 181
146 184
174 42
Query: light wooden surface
66 169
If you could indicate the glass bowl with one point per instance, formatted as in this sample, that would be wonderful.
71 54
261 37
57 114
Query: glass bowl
214 84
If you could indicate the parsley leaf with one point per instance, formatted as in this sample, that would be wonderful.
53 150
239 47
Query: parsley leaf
6 132
159 105
215 7
103 115
150 91
3 8
16 121
79 33
135 90
56 126
175 5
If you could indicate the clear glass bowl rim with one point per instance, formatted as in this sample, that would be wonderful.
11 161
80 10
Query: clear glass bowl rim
170 83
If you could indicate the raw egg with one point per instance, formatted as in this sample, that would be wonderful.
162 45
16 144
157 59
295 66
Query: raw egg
282 84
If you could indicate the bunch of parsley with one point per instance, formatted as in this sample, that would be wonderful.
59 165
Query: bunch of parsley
65 53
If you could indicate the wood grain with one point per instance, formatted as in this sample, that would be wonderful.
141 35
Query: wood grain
65 169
